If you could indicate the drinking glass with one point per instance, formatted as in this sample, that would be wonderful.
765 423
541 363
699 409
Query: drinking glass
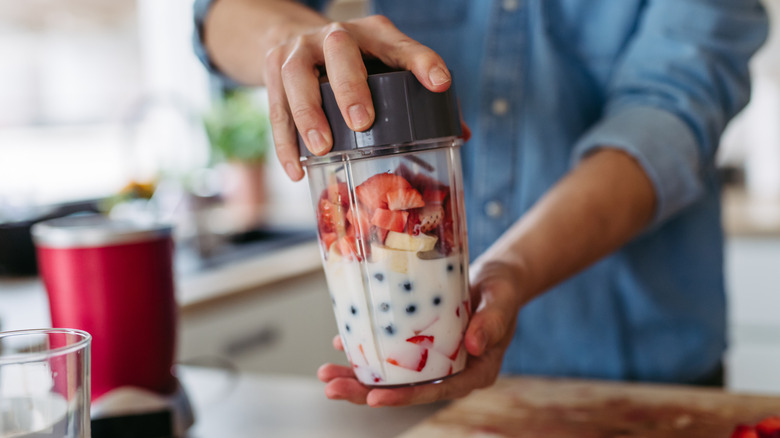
45 383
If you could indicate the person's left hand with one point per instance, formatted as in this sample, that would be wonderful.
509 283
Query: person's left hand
496 292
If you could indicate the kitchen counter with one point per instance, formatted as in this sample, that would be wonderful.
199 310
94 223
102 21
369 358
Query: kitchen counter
252 405
247 405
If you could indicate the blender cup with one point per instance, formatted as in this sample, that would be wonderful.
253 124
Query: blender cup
392 232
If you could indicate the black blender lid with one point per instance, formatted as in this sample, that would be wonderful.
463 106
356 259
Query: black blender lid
405 112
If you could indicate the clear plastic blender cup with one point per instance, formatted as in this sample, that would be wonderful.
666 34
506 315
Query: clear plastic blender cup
392 231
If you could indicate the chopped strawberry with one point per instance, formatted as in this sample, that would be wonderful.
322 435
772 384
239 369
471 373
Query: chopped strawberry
360 219
338 193
450 371
404 199
413 222
389 220
769 427
744 431
347 247
422 340
328 238
373 192
423 360
446 241
454 354
330 216
409 359
430 217
467 306
434 196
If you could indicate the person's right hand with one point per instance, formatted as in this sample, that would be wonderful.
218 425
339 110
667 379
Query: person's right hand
292 76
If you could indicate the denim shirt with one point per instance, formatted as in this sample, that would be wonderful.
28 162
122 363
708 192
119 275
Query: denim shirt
544 82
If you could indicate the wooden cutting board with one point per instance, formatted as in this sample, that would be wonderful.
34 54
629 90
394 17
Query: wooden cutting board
562 408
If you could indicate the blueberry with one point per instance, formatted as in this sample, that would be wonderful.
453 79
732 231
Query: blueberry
436 301
384 307
353 309
411 308
347 327
407 285
379 276
450 267
390 329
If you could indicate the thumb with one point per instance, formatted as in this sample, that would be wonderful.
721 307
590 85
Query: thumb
493 323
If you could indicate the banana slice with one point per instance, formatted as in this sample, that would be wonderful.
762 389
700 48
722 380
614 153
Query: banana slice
407 242
334 255
395 260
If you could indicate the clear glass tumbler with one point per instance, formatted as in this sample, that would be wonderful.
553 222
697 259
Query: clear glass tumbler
45 383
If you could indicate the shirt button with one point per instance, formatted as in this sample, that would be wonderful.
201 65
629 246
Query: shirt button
494 209
500 107
511 5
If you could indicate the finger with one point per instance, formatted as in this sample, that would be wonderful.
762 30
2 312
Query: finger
347 389
330 371
337 344
480 372
282 127
378 36
495 317
301 83
348 77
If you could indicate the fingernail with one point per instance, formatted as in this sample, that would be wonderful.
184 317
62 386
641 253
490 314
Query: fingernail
291 170
358 116
316 141
438 76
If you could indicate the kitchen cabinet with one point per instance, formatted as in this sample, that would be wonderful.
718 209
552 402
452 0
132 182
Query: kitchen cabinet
285 327
753 280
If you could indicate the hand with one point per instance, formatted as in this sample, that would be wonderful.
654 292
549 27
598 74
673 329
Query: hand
292 78
495 287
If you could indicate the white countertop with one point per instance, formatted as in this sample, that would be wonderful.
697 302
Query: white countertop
254 405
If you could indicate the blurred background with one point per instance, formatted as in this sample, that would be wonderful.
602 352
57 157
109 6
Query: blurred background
104 107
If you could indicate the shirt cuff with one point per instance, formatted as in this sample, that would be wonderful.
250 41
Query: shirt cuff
200 9
663 145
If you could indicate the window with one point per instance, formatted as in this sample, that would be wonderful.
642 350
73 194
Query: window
94 94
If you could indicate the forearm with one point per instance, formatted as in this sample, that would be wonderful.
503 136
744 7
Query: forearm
239 33
599 206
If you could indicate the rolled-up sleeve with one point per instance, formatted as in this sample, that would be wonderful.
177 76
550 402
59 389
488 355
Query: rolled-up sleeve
681 79
200 9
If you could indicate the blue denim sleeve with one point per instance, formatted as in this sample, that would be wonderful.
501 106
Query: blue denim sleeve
200 9
682 77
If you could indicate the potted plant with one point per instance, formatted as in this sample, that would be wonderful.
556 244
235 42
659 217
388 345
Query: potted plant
238 132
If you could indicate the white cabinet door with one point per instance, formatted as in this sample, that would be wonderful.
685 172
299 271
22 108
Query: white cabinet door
286 327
